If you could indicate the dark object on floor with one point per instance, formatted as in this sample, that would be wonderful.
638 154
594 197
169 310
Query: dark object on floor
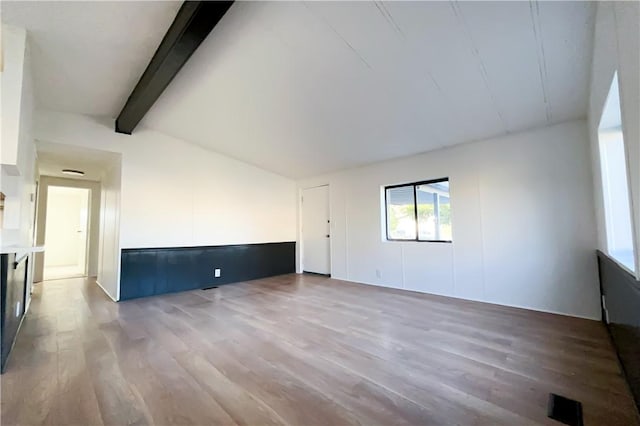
209 288
564 410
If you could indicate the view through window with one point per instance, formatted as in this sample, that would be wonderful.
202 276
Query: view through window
615 188
419 211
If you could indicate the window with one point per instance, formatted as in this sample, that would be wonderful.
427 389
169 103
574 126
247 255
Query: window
419 211
615 188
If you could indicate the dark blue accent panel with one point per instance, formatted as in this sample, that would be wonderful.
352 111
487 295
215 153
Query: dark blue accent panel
13 285
622 299
140 268
179 270
147 272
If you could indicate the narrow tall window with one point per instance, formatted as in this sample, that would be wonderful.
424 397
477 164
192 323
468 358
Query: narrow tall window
419 211
615 187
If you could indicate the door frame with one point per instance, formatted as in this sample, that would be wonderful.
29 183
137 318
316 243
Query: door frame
300 245
95 187
87 237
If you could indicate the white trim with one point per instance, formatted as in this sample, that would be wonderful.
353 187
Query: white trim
105 291
620 264
528 308
26 308
313 186
300 246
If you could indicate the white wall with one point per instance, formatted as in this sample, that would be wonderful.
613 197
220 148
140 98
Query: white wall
94 224
14 44
173 193
522 214
17 151
178 194
109 255
617 48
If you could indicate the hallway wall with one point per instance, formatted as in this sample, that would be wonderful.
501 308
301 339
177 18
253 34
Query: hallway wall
109 256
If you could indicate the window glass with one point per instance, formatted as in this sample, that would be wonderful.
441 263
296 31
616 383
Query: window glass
434 211
425 203
401 222
615 187
427 213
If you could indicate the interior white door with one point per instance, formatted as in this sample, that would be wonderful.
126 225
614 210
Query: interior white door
315 230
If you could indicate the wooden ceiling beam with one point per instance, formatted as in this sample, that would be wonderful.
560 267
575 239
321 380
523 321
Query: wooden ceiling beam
192 25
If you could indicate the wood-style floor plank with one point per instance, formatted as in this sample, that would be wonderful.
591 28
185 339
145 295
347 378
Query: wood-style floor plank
302 350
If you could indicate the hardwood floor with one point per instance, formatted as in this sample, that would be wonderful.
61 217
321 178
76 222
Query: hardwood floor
302 350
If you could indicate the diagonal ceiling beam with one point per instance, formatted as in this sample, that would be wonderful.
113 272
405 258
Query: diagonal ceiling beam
192 24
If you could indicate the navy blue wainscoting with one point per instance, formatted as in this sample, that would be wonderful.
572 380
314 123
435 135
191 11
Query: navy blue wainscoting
148 272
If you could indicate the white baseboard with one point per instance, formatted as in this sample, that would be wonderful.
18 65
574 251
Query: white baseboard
105 291
529 308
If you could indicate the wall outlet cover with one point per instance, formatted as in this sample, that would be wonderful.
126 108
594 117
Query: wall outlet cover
216 273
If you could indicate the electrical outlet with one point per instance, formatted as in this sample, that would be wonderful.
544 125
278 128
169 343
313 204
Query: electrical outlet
378 274
216 273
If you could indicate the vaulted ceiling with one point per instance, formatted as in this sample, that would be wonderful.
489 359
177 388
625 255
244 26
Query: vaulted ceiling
88 55
303 88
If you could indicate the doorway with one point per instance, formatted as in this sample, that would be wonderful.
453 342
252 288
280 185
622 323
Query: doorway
316 236
66 232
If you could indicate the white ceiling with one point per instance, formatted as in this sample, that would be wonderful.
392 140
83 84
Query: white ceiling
54 157
307 88
304 88
87 56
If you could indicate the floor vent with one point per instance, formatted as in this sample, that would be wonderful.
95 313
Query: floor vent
209 288
564 410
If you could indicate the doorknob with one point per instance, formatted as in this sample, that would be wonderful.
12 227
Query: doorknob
327 235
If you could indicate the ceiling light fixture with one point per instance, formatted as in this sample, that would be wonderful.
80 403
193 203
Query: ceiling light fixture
73 172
